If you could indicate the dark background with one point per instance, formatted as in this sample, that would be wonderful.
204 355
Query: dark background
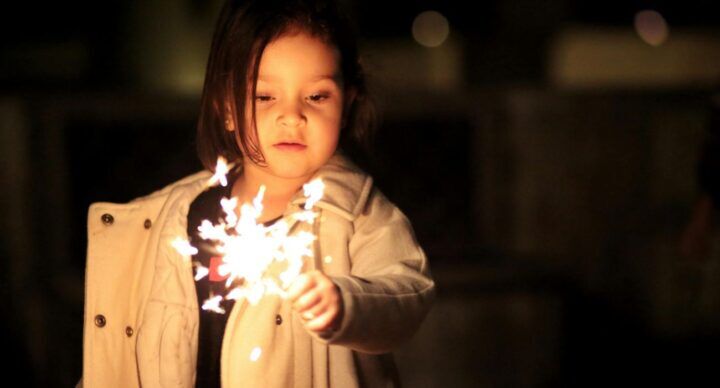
545 154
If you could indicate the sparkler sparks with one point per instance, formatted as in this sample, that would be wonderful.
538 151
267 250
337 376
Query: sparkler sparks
184 247
213 304
200 271
255 354
314 192
258 260
221 170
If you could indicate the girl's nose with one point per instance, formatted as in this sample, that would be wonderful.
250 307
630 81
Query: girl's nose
291 115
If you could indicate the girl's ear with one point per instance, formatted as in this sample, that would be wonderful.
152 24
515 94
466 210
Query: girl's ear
229 126
350 95
229 123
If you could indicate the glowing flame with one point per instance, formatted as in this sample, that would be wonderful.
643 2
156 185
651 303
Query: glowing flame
252 254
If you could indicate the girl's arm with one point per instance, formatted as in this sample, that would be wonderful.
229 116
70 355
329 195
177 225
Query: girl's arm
389 290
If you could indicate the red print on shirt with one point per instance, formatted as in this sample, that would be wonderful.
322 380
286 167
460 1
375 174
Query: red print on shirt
214 275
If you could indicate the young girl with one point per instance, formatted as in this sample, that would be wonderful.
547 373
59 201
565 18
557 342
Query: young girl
284 96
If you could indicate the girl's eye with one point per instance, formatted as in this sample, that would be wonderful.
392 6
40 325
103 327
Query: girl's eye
318 97
263 98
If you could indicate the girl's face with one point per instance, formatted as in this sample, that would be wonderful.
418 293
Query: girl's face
299 106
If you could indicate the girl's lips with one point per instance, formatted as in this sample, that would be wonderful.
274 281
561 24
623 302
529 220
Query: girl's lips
290 147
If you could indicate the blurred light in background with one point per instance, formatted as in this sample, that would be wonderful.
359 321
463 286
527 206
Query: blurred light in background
430 29
403 66
611 57
651 27
169 57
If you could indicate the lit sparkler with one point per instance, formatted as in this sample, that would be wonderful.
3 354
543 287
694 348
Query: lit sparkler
252 252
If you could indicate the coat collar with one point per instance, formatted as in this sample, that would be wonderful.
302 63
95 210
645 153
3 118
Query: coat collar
346 187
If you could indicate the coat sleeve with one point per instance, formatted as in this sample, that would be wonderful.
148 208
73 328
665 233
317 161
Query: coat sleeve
389 290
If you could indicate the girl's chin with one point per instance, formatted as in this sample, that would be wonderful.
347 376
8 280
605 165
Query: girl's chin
289 168
292 173
289 171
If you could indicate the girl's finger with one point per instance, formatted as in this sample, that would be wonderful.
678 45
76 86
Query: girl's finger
307 301
315 311
300 286
323 322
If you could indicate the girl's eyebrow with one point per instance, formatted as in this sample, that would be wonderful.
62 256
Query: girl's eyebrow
331 77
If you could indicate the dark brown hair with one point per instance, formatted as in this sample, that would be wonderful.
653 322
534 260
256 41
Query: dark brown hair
242 32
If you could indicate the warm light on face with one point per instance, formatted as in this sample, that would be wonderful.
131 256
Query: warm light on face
430 29
298 107
651 27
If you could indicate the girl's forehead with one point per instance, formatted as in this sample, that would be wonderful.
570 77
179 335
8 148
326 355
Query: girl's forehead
299 55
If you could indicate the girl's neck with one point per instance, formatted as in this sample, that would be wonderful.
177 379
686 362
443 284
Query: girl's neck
278 190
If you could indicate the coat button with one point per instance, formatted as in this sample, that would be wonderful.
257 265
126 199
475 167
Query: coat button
129 331
147 224
107 219
278 319
100 320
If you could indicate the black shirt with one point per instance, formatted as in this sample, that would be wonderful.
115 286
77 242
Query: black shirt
212 325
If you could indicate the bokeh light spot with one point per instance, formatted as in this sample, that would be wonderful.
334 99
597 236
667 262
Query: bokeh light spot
430 28
651 27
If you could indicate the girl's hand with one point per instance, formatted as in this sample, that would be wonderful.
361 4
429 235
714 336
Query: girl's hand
317 300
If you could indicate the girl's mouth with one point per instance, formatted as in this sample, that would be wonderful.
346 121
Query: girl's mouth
289 146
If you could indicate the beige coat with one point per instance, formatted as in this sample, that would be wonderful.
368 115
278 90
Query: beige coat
141 309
